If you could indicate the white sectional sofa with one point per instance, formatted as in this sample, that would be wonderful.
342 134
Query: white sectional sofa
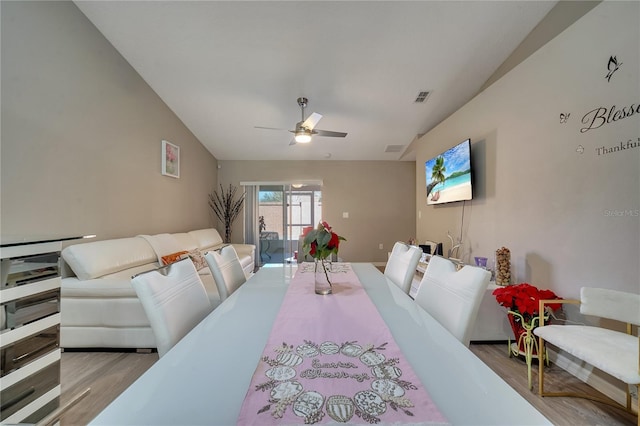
100 308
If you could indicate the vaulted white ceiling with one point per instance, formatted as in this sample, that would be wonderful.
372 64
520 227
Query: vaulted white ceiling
224 67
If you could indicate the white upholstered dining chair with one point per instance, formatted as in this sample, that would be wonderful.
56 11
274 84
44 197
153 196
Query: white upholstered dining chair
611 351
174 299
453 296
401 265
226 270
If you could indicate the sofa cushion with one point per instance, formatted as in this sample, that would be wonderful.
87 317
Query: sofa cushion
120 312
206 238
246 254
128 273
98 258
119 289
97 288
162 244
99 303
185 241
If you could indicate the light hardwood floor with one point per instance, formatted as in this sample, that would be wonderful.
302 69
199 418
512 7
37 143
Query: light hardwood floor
559 410
106 373
109 373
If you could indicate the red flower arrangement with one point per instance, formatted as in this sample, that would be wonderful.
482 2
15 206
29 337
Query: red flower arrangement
525 299
320 242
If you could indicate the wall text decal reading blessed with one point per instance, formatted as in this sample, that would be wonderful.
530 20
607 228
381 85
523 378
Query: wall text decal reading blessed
600 116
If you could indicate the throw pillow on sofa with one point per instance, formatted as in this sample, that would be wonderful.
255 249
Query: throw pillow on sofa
173 257
198 259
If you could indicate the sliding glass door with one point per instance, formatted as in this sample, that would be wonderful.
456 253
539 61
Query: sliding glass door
305 209
281 213
272 221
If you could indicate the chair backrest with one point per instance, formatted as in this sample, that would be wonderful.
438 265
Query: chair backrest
226 270
612 304
401 266
174 299
453 297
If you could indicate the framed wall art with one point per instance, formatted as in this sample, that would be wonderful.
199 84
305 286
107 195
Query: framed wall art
170 159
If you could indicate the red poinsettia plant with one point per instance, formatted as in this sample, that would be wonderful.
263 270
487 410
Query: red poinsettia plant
525 299
321 242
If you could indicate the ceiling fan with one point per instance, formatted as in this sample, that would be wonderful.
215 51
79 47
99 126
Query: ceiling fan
306 128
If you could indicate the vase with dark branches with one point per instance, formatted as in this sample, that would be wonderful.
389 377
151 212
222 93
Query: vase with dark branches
226 207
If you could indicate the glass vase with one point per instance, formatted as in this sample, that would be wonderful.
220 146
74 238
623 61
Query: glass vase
322 277
503 266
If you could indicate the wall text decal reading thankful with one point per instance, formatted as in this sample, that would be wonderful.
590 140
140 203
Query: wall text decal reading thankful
630 144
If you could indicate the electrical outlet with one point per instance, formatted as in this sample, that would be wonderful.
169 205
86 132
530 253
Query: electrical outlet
380 246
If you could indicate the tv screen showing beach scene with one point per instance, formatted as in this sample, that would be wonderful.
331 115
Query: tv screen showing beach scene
449 175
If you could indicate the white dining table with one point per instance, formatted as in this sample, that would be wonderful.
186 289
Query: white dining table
203 380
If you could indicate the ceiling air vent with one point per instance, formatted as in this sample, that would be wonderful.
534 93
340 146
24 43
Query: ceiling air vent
394 148
422 96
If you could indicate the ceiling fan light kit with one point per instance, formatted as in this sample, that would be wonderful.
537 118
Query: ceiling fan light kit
303 137
305 128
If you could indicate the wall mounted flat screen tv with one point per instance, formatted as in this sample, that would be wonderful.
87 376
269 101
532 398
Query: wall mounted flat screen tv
448 175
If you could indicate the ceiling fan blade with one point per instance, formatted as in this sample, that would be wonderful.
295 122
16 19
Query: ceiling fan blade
329 133
312 120
270 128
293 141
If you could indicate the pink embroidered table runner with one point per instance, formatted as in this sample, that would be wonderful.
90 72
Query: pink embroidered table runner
332 359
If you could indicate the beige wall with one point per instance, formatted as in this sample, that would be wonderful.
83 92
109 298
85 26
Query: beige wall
569 213
563 15
378 195
81 135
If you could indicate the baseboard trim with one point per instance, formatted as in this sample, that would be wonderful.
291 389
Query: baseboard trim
584 372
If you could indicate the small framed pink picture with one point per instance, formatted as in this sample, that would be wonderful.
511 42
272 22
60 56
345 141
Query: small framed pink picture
170 159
